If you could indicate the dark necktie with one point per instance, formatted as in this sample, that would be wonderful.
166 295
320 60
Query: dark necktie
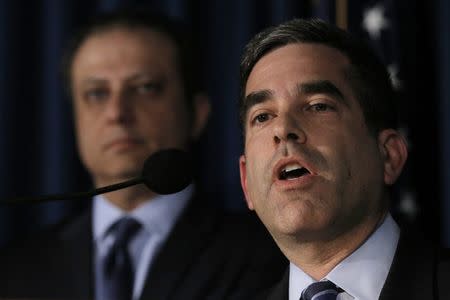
117 269
321 290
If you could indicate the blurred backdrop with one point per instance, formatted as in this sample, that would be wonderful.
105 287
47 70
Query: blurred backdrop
37 147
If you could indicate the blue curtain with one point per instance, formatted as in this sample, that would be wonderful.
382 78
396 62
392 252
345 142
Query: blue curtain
37 146
442 33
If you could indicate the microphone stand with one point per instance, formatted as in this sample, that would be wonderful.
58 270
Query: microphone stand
73 196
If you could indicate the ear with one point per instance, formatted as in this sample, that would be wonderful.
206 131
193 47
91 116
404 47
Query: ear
394 150
243 173
201 109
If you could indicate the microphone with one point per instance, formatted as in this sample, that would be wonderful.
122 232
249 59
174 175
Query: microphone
165 172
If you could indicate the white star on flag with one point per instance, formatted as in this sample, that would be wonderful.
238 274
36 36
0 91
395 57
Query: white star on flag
405 133
393 73
374 21
408 205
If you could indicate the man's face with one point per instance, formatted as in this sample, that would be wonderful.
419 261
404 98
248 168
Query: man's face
311 170
129 101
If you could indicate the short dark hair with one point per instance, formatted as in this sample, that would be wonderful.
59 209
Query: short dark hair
130 18
368 76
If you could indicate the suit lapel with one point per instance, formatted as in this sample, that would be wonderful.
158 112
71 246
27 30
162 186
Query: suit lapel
77 245
412 272
189 236
281 290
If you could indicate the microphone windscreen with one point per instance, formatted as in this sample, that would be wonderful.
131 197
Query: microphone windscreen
167 171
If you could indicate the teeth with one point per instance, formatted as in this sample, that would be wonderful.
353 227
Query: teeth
291 167
292 171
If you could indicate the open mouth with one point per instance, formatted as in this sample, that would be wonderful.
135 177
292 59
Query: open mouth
292 171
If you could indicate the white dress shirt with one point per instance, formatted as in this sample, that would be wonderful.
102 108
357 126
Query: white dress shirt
363 273
157 218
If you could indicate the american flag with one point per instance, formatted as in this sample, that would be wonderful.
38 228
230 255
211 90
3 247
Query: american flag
377 22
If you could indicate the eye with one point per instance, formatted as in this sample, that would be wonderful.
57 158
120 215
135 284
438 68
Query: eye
261 118
148 87
321 107
96 94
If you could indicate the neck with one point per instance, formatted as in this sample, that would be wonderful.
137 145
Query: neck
130 198
317 258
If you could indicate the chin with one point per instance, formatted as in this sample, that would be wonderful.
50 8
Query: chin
127 173
293 221
129 163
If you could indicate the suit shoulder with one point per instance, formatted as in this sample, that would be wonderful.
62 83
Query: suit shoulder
443 273
37 244
443 262
245 227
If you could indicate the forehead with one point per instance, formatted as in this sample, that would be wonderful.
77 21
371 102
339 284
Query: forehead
297 63
125 47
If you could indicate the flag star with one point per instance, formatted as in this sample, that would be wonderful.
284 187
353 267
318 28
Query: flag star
404 131
408 205
374 21
393 73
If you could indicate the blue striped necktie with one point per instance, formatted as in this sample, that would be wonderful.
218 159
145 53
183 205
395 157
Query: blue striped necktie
321 290
118 275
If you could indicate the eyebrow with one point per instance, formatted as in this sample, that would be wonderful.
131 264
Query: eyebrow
307 88
321 87
257 97
93 80
133 77
146 75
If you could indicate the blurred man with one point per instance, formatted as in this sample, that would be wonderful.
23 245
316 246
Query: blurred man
321 148
134 89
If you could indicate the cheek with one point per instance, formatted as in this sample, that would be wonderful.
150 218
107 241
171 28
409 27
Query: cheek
179 122
88 142
165 122
260 154
85 130
359 172
257 181
253 186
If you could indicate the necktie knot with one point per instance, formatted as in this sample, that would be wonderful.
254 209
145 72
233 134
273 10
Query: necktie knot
124 229
321 290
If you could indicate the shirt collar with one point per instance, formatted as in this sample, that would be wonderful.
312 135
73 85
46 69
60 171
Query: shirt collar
158 215
363 273
298 281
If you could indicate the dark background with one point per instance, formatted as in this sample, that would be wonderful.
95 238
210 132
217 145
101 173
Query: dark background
37 146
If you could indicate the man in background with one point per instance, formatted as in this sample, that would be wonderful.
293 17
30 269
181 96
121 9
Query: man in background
321 150
135 91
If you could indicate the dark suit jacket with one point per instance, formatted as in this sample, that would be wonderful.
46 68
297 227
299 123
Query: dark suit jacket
419 272
208 255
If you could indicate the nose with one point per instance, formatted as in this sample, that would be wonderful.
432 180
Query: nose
119 108
288 128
